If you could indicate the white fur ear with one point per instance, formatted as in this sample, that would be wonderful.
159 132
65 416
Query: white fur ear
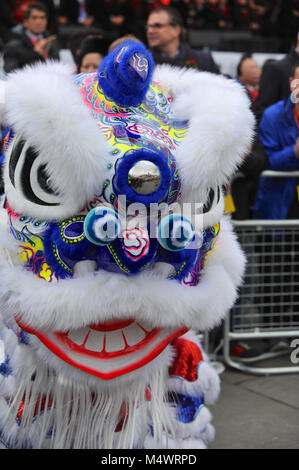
44 108
221 127
2 101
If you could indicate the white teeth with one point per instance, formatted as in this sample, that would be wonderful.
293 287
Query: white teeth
95 341
84 267
134 334
108 341
78 336
114 341
163 269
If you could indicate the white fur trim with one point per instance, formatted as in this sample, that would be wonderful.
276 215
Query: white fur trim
104 296
221 127
44 106
9 433
85 415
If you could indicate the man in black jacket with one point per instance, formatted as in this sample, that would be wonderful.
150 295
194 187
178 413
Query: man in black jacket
31 42
165 36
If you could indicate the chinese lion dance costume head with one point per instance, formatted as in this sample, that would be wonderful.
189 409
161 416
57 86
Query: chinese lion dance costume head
115 251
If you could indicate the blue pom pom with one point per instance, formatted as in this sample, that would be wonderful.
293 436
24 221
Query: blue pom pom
125 74
175 232
102 225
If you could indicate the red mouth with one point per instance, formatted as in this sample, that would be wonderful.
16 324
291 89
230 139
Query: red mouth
108 350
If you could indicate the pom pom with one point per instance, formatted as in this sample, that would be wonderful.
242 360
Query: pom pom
102 225
125 74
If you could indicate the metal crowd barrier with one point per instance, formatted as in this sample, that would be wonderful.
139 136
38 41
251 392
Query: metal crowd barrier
268 304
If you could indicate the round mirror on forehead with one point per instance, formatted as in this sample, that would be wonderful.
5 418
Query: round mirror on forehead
144 177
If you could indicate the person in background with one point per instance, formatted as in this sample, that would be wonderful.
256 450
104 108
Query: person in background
32 42
242 16
289 20
165 37
114 17
20 6
92 51
279 132
274 81
120 40
249 74
74 12
277 199
7 21
215 17
260 11
195 16
245 185
225 14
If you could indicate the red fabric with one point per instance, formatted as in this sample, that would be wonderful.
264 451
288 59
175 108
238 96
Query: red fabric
5 140
20 7
37 407
188 357
253 94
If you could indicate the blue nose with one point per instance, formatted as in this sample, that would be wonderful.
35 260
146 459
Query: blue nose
102 225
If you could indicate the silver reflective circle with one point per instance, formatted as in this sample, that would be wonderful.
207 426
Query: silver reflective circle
144 177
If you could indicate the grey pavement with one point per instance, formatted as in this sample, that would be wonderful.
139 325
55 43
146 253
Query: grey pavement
257 411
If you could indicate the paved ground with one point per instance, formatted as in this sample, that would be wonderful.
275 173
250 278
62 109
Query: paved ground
257 411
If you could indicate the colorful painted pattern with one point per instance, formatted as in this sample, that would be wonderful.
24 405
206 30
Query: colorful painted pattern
210 235
148 126
29 233
50 250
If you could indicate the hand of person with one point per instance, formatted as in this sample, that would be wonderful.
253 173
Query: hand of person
296 148
87 22
41 46
62 20
117 20
254 26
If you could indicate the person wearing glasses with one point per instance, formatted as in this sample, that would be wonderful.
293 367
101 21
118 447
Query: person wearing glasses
167 42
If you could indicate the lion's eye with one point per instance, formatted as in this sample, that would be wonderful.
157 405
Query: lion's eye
28 175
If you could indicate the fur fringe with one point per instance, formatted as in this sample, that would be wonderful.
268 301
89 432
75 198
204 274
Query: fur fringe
59 412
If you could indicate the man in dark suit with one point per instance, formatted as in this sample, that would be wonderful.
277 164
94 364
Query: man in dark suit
32 42
165 36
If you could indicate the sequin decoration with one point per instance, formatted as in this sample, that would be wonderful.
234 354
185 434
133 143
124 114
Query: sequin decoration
188 407
187 360
5 369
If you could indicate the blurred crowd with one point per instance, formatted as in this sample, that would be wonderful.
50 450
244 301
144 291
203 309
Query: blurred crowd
277 18
32 31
